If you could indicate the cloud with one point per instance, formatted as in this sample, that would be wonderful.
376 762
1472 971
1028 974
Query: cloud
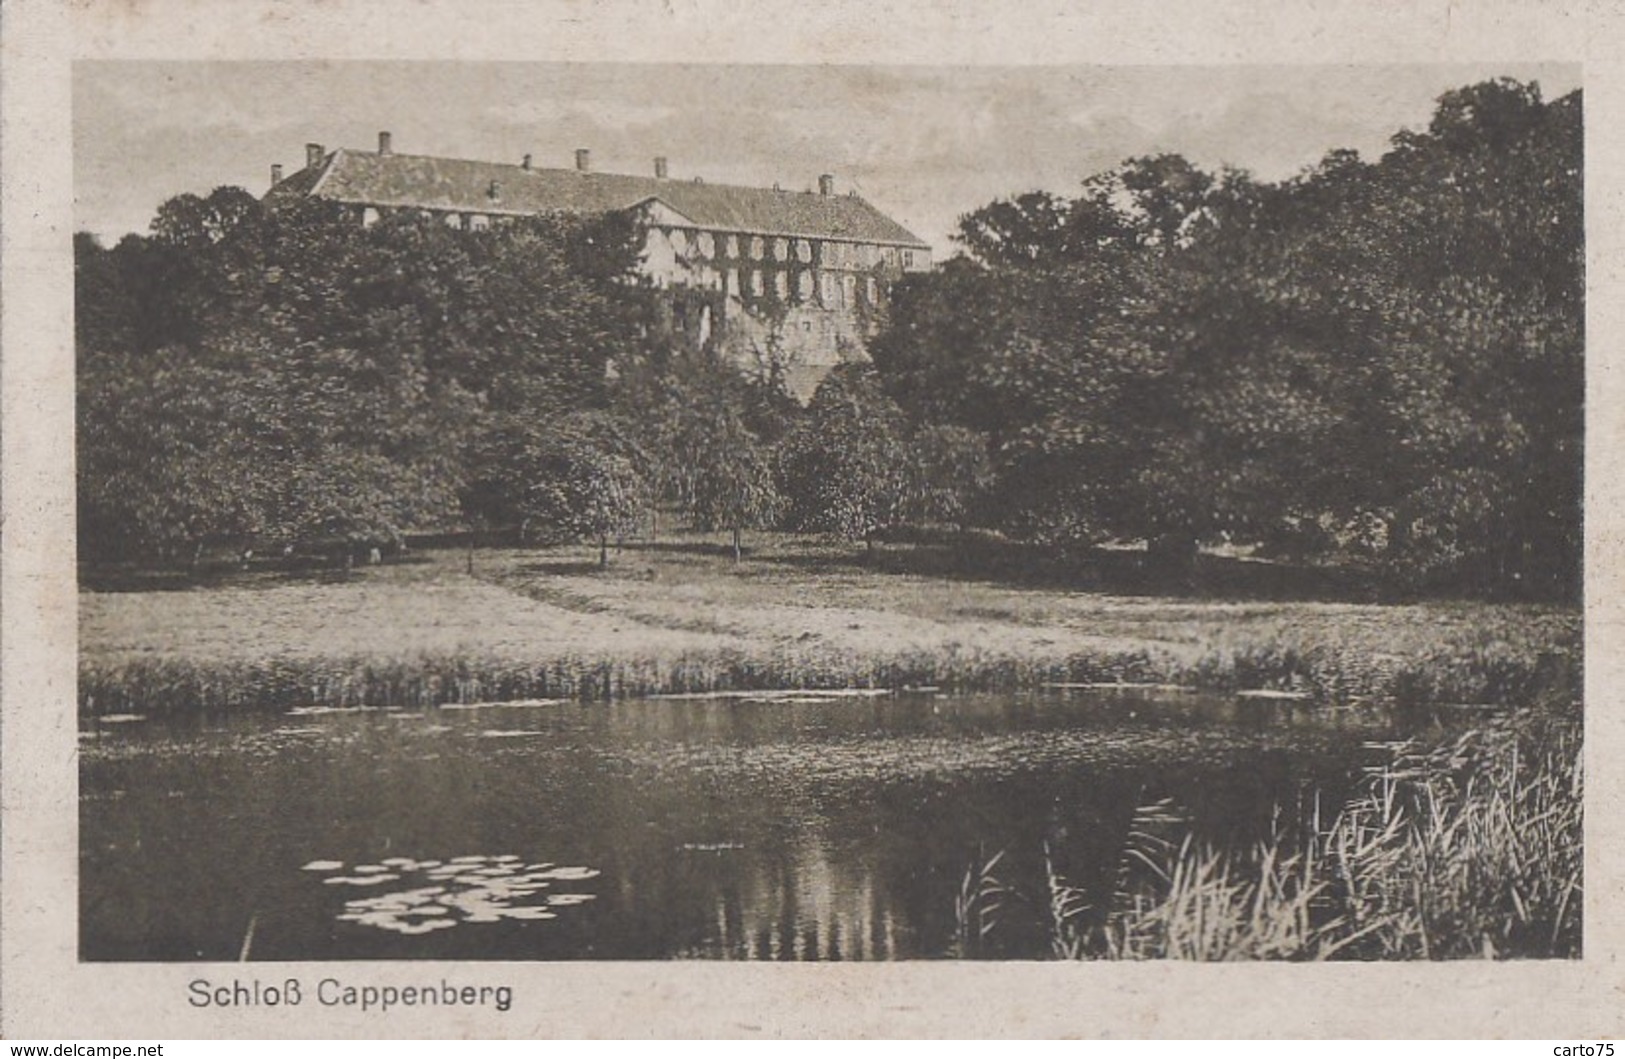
924 144
603 112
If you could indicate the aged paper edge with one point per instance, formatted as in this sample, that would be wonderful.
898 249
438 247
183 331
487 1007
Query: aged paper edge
45 992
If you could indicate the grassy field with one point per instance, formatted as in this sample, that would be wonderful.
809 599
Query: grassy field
679 616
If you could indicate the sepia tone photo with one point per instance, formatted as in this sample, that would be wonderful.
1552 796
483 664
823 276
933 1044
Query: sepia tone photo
444 557
607 511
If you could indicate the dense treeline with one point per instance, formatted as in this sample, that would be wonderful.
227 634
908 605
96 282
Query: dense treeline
275 378
1383 360
1379 362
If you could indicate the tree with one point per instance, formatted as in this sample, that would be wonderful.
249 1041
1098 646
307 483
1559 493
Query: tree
1034 345
1392 347
105 309
1486 342
845 468
736 489
949 472
190 222
311 380
580 476
244 447
157 472
697 416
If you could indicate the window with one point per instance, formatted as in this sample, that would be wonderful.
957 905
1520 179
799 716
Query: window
781 285
479 222
756 282
731 247
869 290
756 247
781 250
369 216
803 251
706 246
804 285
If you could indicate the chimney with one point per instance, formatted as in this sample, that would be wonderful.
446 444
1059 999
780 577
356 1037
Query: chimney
276 175
526 163
826 184
383 143
494 192
313 155
660 167
583 160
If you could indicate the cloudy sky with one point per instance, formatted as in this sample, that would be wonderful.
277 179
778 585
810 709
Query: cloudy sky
924 144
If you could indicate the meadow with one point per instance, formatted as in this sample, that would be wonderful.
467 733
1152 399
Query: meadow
680 616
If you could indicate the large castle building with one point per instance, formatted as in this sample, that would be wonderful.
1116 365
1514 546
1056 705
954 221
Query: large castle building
791 275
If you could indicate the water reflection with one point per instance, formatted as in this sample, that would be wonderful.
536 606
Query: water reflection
812 908
777 827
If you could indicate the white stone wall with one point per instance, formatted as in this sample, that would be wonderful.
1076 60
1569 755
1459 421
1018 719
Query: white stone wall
801 300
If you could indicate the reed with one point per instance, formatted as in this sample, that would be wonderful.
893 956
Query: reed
978 907
178 684
1471 849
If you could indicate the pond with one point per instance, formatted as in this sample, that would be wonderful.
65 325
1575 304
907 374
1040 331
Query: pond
777 827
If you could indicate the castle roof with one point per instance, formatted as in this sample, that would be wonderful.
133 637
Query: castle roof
455 184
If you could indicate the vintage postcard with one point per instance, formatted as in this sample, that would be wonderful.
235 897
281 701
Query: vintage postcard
947 521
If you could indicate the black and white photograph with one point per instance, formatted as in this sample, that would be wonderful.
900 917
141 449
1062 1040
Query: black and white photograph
833 513
525 519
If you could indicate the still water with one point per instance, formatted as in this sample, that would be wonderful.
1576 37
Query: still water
788 827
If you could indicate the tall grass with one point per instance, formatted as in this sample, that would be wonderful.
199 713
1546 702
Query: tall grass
1472 849
170 684
978 906
178 685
